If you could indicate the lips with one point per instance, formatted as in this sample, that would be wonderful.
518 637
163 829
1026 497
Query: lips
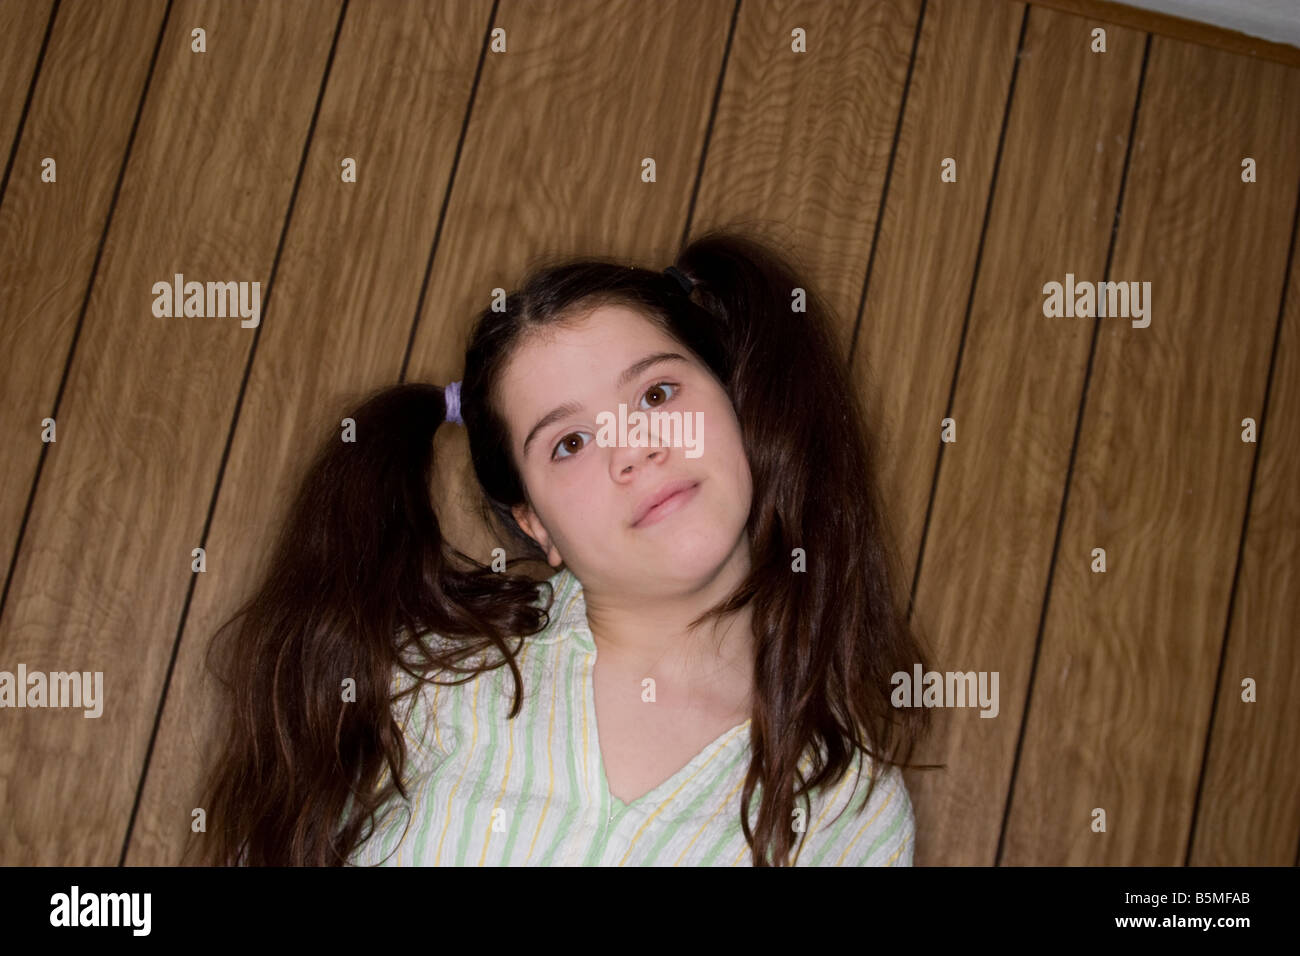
660 496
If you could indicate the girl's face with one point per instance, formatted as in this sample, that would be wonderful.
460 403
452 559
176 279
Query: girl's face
587 499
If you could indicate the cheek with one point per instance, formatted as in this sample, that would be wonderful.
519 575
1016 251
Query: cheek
732 463
574 509
744 483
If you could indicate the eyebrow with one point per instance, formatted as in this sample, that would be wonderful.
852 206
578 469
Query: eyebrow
570 408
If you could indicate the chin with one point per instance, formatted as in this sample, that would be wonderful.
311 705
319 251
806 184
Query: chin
692 556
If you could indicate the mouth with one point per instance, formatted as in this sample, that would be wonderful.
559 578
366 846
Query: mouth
665 501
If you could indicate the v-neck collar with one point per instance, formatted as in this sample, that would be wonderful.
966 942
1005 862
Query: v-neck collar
568 620
679 781
612 806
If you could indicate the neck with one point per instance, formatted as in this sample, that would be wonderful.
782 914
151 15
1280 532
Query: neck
651 636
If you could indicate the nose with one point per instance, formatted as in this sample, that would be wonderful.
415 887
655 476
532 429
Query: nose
624 463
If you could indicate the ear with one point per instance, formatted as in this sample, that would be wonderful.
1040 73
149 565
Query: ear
532 526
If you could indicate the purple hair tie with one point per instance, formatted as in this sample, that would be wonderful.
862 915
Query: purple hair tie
451 395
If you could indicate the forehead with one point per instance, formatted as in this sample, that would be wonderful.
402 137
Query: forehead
556 363
603 327
575 360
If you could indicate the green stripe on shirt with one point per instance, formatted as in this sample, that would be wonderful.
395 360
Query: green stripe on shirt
543 770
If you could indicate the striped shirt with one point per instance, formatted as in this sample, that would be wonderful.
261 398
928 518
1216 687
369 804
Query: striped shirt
531 791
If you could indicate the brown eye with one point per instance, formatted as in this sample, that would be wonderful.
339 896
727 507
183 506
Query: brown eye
571 444
658 389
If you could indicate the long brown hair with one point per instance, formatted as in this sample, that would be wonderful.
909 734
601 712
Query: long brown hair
361 569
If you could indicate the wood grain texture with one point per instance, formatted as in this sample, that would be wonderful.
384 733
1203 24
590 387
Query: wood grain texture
346 293
50 233
802 141
990 534
910 331
1073 433
1247 806
22 31
124 494
1128 661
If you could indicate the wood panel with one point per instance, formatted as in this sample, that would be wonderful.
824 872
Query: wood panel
23 28
347 291
1247 813
81 115
1119 690
1018 379
802 141
910 331
1129 658
102 577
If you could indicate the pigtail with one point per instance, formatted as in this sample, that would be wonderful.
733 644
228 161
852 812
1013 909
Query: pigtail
359 570
830 632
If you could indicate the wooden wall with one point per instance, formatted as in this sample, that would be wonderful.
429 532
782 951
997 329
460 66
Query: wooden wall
1119 690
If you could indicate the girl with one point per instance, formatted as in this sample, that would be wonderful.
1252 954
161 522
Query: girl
703 679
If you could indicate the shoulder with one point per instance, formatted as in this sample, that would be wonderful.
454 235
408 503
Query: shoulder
560 596
566 607
851 827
